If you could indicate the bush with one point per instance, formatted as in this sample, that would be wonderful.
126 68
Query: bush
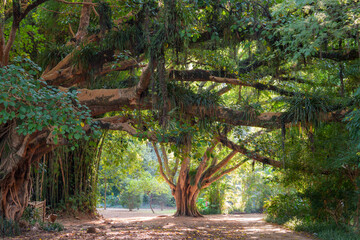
130 200
51 226
8 228
296 213
284 207
205 207
324 230
31 215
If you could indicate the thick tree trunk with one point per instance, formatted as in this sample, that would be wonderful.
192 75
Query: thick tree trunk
17 153
185 199
15 192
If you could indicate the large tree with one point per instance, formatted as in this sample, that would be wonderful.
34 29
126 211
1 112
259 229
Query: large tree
226 62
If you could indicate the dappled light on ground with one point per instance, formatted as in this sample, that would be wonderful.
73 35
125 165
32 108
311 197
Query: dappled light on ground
142 224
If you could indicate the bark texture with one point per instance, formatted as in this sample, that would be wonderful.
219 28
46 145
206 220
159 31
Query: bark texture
185 196
18 152
189 183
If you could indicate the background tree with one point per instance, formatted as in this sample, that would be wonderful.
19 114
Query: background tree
147 185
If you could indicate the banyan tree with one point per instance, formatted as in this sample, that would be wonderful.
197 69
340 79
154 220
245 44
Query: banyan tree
166 70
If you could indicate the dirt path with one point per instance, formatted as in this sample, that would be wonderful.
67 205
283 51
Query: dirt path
142 224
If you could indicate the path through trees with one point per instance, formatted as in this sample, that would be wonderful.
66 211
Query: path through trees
122 224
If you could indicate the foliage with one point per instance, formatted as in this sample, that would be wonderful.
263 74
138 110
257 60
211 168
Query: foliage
53 54
130 170
52 227
67 179
147 184
184 98
213 198
325 231
352 120
327 186
31 215
8 228
283 207
309 27
36 106
131 200
250 187
30 42
307 108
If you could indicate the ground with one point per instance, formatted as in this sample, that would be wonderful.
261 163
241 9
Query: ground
142 224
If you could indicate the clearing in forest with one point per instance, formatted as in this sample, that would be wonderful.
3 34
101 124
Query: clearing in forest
142 224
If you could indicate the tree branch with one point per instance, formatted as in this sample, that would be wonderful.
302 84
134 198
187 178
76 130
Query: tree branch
250 154
145 78
173 173
212 170
213 179
172 185
166 162
71 31
224 90
32 6
77 3
202 75
203 164
122 66
84 20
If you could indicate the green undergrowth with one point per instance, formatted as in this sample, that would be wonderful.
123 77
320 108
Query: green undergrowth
51 227
321 230
8 228
33 218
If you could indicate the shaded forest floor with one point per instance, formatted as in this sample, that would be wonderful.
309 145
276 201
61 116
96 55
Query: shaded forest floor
122 224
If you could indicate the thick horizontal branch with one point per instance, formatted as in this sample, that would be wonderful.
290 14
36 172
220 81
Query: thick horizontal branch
101 101
122 66
116 123
77 3
126 124
236 118
202 75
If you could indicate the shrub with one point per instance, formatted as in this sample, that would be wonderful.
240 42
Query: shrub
283 207
52 226
8 228
327 230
